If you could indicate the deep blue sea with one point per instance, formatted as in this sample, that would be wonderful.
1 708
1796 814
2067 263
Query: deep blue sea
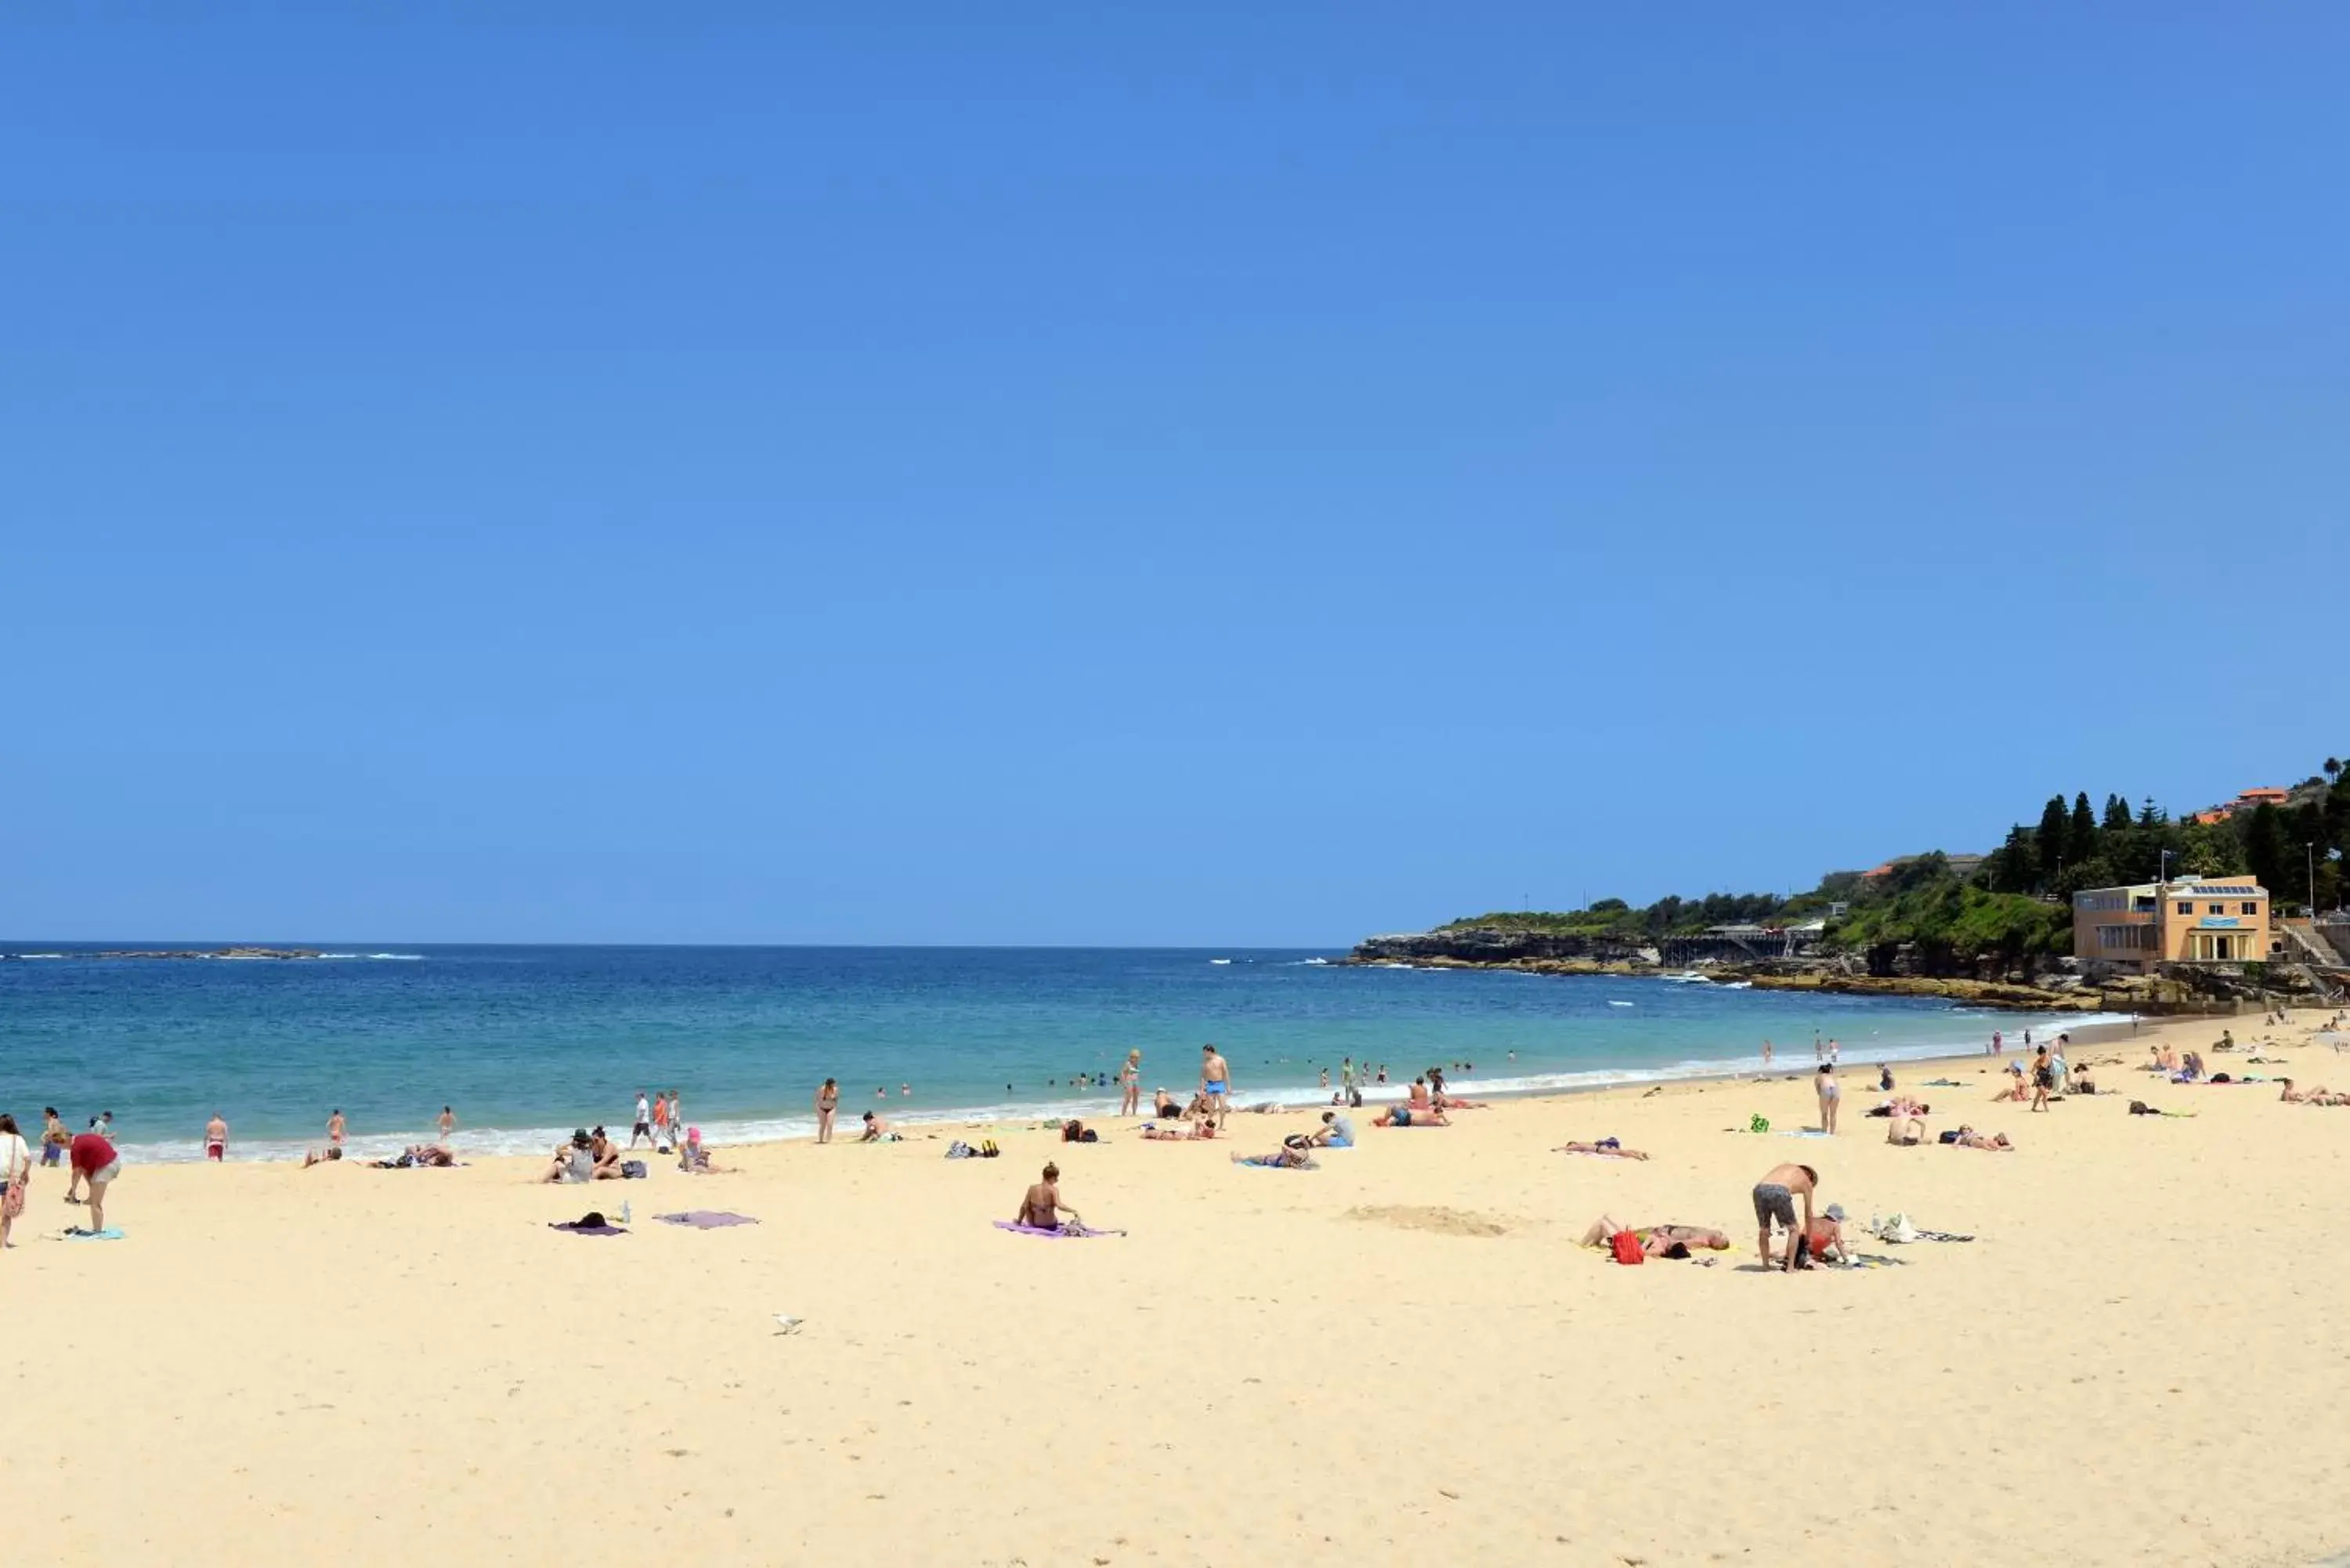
526 1042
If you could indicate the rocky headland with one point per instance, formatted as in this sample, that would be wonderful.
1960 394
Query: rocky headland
2055 984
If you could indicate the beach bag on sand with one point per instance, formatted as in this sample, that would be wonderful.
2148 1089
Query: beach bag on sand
12 1205
1626 1248
1758 1124
960 1150
633 1169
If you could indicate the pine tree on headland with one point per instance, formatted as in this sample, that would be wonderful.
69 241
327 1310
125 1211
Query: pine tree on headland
2269 854
2117 813
2050 841
2081 838
2014 866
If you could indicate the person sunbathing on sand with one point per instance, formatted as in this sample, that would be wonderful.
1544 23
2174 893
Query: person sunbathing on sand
1605 1146
606 1154
1295 1153
1905 1129
1970 1139
1410 1117
327 1156
1183 1133
2293 1097
1661 1240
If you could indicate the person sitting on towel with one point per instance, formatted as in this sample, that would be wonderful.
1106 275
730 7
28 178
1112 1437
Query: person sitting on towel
1041 1208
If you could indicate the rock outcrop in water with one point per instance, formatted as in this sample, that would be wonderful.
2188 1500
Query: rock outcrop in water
178 953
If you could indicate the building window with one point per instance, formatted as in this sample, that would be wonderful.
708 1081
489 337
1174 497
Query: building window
2251 908
2186 906
2215 908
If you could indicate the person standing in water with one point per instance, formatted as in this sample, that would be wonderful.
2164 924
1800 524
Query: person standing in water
334 1125
216 1138
447 1124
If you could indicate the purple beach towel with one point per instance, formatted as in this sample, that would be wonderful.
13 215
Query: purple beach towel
1079 1232
706 1219
576 1229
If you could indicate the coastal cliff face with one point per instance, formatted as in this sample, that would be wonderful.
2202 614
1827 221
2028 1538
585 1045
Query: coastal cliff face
1491 945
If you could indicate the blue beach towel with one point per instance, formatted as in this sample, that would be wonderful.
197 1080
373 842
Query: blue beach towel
109 1234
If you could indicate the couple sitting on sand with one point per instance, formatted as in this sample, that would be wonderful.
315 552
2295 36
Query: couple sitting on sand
588 1156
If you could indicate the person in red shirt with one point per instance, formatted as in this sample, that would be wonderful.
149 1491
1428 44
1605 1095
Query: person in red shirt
95 1161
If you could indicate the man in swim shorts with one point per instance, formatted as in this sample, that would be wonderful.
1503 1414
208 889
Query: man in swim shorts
215 1138
1215 1082
1774 1199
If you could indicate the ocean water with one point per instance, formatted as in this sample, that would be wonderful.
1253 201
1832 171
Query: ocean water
527 1042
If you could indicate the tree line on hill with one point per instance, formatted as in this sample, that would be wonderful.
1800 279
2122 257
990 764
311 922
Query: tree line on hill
2017 903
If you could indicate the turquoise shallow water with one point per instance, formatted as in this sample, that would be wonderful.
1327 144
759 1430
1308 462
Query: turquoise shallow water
526 1042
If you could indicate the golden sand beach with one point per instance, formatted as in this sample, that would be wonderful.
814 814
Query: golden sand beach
1402 1356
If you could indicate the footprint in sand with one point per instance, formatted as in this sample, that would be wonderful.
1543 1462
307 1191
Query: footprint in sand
1417 1217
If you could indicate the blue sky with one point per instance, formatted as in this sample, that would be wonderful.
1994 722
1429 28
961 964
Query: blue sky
1247 474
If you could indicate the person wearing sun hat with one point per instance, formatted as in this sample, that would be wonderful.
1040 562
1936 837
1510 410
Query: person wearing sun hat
1825 1239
